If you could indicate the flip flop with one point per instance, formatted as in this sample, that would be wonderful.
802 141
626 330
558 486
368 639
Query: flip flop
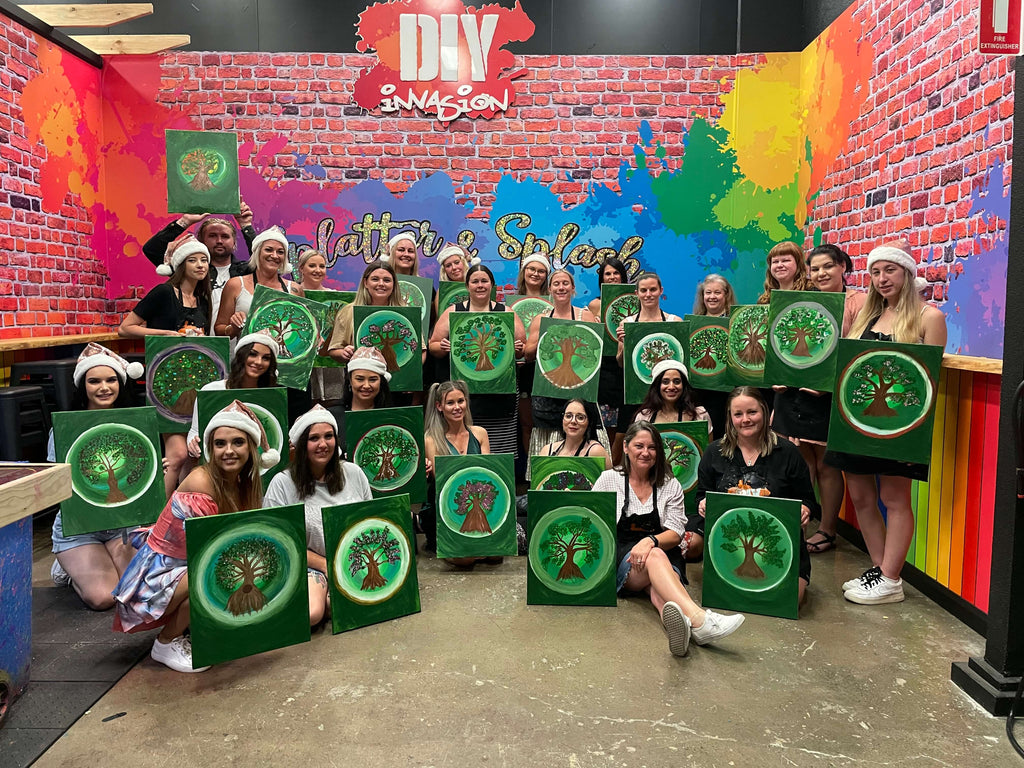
817 547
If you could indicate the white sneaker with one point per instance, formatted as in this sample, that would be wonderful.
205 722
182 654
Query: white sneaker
176 654
678 628
716 626
868 574
59 575
876 590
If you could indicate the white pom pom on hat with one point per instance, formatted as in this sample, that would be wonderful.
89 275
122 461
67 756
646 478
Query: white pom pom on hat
238 415
96 354
315 415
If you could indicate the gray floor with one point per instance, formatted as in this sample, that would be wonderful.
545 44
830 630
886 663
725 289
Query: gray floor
480 678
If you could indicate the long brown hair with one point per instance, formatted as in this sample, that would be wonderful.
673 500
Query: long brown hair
730 441
250 486
434 423
302 473
659 471
800 283
236 374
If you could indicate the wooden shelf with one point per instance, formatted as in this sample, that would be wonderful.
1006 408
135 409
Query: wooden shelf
89 15
111 45
40 342
32 488
977 364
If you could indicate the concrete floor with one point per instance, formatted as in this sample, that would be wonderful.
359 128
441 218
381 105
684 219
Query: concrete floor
480 678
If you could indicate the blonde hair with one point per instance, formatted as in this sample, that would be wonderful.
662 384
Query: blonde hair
730 440
906 327
307 255
462 254
434 424
699 308
800 283
415 262
362 297
250 485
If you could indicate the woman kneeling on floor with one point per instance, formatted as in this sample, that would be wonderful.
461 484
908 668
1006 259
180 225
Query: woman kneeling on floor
153 591
317 478
650 526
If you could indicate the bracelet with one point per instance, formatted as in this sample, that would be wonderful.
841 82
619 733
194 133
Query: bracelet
654 538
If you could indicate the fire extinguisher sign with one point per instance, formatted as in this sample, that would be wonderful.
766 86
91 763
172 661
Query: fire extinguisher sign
1000 31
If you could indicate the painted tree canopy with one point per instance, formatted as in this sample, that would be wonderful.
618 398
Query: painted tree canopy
180 376
112 458
566 480
200 164
801 330
560 347
759 538
564 541
243 569
882 384
708 348
654 351
369 551
481 344
386 448
291 327
391 337
474 499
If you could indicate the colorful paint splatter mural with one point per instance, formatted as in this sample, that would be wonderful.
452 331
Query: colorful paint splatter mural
692 190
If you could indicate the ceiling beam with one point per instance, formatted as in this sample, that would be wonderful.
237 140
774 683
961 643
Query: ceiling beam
108 45
91 16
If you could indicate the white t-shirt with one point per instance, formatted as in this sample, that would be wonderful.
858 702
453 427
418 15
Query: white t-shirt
213 386
282 491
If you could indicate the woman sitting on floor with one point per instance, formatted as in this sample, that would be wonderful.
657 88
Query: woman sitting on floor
650 526
317 478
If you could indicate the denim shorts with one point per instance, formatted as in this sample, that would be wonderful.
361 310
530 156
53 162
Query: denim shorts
625 567
62 543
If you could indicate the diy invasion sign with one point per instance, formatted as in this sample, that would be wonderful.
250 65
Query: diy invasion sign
440 57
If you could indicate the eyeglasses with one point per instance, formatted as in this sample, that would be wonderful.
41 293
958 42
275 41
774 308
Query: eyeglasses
577 417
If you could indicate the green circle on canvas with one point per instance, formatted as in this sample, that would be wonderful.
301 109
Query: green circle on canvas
744 568
289 323
623 306
683 454
112 464
392 335
474 502
571 550
652 349
804 334
569 355
529 307
708 347
389 456
372 561
482 351
884 393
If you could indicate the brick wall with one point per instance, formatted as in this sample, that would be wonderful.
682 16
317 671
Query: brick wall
50 281
938 119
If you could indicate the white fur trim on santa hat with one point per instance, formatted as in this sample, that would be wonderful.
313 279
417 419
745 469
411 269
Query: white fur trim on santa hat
178 255
267 235
315 415
259 338
96 354
369 359
535 258
669 365
455 250
237 415
893 254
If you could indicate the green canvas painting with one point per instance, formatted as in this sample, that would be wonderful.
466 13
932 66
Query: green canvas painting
176 369
116 477
748 338
751 554
475 505
395 333
528 307
333 301
450 293
387 444
571 548
371 558
483 351
883 404
418 292
646 345
685 443
202 172
708 353
565 473
568 359
270 406
617 302
246 583
804 328
295 324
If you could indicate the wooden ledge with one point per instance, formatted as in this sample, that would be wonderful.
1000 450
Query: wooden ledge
41 342
112 45
89 15
34 487
976 364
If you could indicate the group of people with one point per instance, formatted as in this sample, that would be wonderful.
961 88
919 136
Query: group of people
777 447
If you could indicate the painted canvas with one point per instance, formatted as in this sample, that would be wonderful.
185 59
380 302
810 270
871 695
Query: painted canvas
333 301
116 476
565 473
247 583
450 293
571 548
483 351
371 557
804 328
748 338
395 332
646 345
708 353
685 443
568 359
475 505
202 172
528 307
387 444
617 302
270 406
883 404
418 292
176 369
295 324
751 554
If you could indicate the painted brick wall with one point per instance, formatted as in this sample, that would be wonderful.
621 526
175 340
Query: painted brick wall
575 115
938 118
50 283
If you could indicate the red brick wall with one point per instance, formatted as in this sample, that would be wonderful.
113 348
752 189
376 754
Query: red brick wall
50 283
938 117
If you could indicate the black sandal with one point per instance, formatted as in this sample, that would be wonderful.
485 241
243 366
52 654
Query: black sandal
817 547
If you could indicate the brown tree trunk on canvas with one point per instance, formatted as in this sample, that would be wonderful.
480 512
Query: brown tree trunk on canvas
373 579
878 405
183 405
387 469
247 598
800 350
569 569
707 362
114 494
749 569
483 362
387 349
564 376
201 181
476 520
753 352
